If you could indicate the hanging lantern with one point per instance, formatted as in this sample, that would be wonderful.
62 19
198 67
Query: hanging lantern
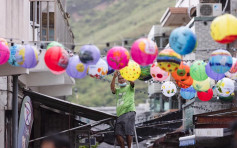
76 68
232 76
185 83
99 70
182 40
223 29
220 61
188 93
182 73
202 85
205 95
27 56
131 72
168 60
168 89
56 59
4 52
157 73
53 44
89 54
145 73
144 51
233 69
198 71
110 70
118 57
14 50
212 74
225 87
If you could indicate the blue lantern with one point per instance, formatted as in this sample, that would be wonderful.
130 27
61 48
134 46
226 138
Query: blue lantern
182 40
188 93
220 61
212 74
14 52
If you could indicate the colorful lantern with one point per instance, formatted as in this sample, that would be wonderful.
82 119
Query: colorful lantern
223 29
145 73
53 44
188 93
110 70
99 70
182 40
118 57
27 56
14 50
168 89
212 74
185 83
157 73
232 76
198 71
56 58
220 61
168 60
144 51
225 87
233 69
202 85
76 68
205 96
182 73
89 54
4 52
131 72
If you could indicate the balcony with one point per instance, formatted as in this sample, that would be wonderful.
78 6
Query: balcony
49 22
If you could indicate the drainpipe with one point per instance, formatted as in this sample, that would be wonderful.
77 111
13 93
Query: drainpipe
15 112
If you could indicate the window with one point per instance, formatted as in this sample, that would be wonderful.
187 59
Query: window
35 12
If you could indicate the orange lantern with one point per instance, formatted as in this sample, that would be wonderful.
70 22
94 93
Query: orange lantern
182 73
186 83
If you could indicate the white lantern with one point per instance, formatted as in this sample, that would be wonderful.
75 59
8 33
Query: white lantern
225 87
168 89
99 70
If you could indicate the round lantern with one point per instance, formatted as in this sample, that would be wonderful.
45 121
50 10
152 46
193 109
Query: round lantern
205 95
144 51
89 54
202 85
182 40
182 73
157 73
99 70
220 61
4 52
225 87
168 60
198 71
131 72
14 50
233 69
188 93
223 29
118 57
110 70
76 68
185 83
168 89
27 57
145 73
212 74
232 76
56 58
53 44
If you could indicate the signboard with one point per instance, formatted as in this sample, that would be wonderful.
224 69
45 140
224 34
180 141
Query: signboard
209 132
25 123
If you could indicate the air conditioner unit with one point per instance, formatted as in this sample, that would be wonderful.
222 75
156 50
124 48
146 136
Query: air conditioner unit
209 9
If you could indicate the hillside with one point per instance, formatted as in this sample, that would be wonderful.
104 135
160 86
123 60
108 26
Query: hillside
102 21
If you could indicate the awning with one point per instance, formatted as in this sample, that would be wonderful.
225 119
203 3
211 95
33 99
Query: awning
175 16
68 107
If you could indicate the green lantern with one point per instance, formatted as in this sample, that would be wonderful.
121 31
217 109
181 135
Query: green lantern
145 73
198 72
54 43
202 85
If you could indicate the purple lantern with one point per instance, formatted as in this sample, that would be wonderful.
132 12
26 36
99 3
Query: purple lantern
76 68
212 74
4 53
110 70
89 54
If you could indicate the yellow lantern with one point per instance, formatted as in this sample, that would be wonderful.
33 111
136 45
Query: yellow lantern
202 85
223 29
131 72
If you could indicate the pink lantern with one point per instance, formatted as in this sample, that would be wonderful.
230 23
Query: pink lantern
144 51
4 52
205 96
118 57
234 66
157 73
